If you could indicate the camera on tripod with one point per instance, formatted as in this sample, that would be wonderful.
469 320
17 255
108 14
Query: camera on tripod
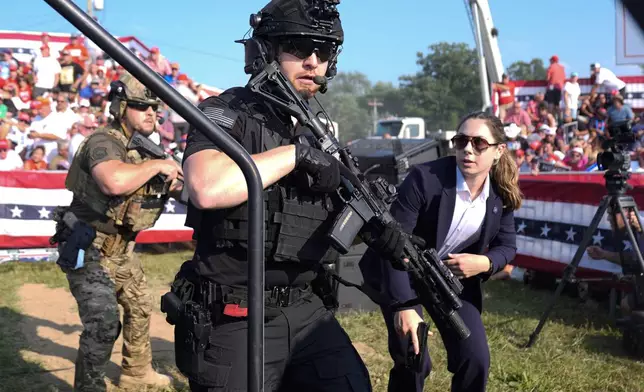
615 161
616 156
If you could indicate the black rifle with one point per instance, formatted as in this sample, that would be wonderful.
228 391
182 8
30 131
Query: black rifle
367 203
146 146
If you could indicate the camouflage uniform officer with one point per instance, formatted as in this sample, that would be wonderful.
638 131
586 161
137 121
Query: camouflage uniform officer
118 192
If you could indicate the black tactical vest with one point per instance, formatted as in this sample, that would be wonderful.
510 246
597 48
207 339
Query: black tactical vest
297 221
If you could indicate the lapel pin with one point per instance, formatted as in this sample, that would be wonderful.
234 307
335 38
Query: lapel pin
495 210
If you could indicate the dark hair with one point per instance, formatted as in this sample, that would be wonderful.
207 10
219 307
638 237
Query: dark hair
504 173
37 148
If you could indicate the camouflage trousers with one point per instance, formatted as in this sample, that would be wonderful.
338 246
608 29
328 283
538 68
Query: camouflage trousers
99 286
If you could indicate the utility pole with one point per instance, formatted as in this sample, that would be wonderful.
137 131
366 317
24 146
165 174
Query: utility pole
374 103
90 8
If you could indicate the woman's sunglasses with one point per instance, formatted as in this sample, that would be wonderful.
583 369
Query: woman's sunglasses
302 48
479 143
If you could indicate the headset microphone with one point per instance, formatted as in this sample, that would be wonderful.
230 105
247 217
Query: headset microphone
322 82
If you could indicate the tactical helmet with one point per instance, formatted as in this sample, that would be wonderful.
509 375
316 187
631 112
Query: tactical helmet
317 19
127 89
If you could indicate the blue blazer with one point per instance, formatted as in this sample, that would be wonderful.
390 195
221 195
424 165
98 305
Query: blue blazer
424 207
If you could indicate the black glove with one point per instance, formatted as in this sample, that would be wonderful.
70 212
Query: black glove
323 168
388 241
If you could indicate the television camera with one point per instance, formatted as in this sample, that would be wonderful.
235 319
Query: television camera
615 159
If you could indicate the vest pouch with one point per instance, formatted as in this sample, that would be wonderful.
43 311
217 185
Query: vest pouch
117 209
303 229
142 212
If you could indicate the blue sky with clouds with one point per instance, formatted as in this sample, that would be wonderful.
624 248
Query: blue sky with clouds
382 36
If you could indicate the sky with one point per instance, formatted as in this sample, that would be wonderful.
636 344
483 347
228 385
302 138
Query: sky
382 37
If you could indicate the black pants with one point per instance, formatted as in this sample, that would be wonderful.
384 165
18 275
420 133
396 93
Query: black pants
305 349
468 360
553 96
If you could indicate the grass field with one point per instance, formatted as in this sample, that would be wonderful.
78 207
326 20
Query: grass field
577 350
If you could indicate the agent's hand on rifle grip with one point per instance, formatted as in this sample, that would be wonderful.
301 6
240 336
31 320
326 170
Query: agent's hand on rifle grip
323 168
169 169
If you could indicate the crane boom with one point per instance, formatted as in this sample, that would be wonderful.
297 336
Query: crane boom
487 45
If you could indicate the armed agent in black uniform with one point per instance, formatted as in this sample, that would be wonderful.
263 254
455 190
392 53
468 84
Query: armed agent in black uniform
305 347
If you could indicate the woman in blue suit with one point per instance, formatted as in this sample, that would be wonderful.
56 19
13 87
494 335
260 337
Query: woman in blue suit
462 206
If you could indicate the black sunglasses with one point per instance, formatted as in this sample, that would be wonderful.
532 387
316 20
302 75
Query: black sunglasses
141 106
479 143
303 48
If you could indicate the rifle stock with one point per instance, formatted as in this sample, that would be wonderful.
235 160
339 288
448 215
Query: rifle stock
367 203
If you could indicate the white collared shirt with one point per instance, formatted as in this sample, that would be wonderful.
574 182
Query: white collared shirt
468 215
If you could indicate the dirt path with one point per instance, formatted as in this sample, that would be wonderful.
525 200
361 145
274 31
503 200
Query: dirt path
52 328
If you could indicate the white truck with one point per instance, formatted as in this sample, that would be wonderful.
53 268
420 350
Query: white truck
408 128
400 128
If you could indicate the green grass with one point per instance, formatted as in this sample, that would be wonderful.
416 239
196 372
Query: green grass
578 350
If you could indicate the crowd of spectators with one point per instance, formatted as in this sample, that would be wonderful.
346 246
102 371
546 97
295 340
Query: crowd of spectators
563 130
50 104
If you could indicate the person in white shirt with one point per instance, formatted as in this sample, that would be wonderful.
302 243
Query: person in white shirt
85 128
19 134
572 91
9 159
46 72
604 77
463 207
179 123
54 126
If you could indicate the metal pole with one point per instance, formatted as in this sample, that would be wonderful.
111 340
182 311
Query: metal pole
374 114
229 146
485 91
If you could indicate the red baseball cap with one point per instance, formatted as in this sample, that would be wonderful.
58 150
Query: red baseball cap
519 153
4 144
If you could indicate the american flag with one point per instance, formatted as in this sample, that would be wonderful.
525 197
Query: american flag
556 210
27 199
555 213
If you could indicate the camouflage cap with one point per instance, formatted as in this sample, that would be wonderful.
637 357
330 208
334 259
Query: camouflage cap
136 91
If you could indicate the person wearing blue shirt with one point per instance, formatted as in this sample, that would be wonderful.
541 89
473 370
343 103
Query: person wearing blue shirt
619 112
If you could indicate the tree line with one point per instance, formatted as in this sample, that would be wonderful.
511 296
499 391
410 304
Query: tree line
445 87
